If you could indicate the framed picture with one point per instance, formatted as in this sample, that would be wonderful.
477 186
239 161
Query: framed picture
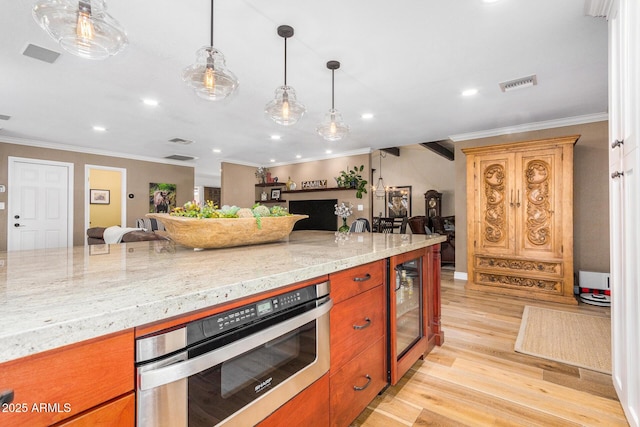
398 202
275 194
99 197
162 197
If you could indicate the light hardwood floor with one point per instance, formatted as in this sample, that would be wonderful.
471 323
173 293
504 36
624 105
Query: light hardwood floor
477 379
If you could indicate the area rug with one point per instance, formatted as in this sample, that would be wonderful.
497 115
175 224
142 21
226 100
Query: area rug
575 339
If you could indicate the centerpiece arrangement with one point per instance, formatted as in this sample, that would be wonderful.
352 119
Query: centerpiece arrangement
207 226
343 211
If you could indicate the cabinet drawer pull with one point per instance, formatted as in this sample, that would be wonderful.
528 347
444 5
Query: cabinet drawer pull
6 396
362 279
366 325
356 388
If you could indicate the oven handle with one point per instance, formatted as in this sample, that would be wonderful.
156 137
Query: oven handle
168 374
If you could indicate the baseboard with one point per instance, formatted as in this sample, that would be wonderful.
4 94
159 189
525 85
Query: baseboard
460 275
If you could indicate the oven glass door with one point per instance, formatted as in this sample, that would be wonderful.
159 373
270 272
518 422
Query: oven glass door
220 391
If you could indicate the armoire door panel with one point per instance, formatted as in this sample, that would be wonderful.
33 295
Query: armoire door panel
495 219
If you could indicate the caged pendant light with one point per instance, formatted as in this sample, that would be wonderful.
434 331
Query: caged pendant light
333 128
379 189
82 28
208 76
285 109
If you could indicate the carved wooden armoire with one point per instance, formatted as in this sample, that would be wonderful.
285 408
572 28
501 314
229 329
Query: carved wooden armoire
520 219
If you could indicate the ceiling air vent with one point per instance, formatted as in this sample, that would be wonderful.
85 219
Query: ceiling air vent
41 54
520 83
181 141
179 157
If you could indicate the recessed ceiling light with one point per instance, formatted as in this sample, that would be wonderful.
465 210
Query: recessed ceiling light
276 137
490 1
328 152
150 102
99 128
469 92
367 116
217 150
272 160
298 156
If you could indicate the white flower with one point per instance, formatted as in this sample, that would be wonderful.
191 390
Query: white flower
343 210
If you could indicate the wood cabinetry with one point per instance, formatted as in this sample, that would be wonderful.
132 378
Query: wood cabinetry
59 384
520 218
358 345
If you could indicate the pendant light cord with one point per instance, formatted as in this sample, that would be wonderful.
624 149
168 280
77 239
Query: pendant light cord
332 88
285 61
211 24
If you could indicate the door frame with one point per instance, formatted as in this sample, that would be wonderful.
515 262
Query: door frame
123 200
11 160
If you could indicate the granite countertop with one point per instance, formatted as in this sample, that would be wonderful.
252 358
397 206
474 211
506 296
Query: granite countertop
51 298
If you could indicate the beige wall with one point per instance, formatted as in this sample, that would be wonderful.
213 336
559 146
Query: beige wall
139 175
590 199
420 168
238 182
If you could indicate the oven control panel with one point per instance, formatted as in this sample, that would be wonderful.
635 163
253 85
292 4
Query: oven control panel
218 323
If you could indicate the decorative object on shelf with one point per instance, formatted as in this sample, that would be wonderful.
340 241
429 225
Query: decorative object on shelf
351 178
288 184
261 174
343 211
333 128
208 76
379 189
285 109
82 28
399 202
292 186
275 194
275 179
318 183
263 196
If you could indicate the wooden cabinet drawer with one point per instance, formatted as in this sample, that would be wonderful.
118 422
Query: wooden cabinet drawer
351 333
346 401
353 281
117 413
309 408
64 382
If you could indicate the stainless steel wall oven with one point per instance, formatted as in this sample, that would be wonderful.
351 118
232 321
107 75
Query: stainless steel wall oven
235 367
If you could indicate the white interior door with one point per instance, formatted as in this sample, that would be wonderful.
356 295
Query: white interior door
40 204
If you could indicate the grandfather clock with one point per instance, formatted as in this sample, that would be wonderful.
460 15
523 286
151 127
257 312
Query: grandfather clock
433 203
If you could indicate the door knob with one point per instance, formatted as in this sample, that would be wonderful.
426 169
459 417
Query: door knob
617 174
616 143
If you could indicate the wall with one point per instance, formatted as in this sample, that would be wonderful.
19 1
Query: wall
139 175
420 168
590 199
238 182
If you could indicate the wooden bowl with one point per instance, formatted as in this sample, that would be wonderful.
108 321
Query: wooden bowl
209 233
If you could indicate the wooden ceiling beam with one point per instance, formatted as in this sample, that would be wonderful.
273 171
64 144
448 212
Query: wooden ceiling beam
392 150
438 148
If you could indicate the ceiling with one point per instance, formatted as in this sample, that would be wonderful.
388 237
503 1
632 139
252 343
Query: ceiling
405 62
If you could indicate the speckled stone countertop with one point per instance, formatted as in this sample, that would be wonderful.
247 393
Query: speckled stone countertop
51 298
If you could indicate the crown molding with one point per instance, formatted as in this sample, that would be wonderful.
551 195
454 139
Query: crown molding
598 8
77 149
548 124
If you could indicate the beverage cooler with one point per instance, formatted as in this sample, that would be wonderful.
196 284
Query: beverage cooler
411 326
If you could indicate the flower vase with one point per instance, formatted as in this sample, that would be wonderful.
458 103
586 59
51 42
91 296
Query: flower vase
344 228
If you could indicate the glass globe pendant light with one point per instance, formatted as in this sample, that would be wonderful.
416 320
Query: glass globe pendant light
208 76
83 28
333 128
285 109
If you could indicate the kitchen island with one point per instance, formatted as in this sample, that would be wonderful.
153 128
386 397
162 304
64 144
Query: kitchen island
55 298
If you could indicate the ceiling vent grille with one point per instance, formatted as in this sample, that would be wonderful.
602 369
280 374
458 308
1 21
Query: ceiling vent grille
179 157
41 53
520 83
181 141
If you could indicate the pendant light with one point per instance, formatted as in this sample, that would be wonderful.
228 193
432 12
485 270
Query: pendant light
83 28
209 76
285 109
379 189
333 128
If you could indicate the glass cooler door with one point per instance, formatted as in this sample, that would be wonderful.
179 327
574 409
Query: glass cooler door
408 302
